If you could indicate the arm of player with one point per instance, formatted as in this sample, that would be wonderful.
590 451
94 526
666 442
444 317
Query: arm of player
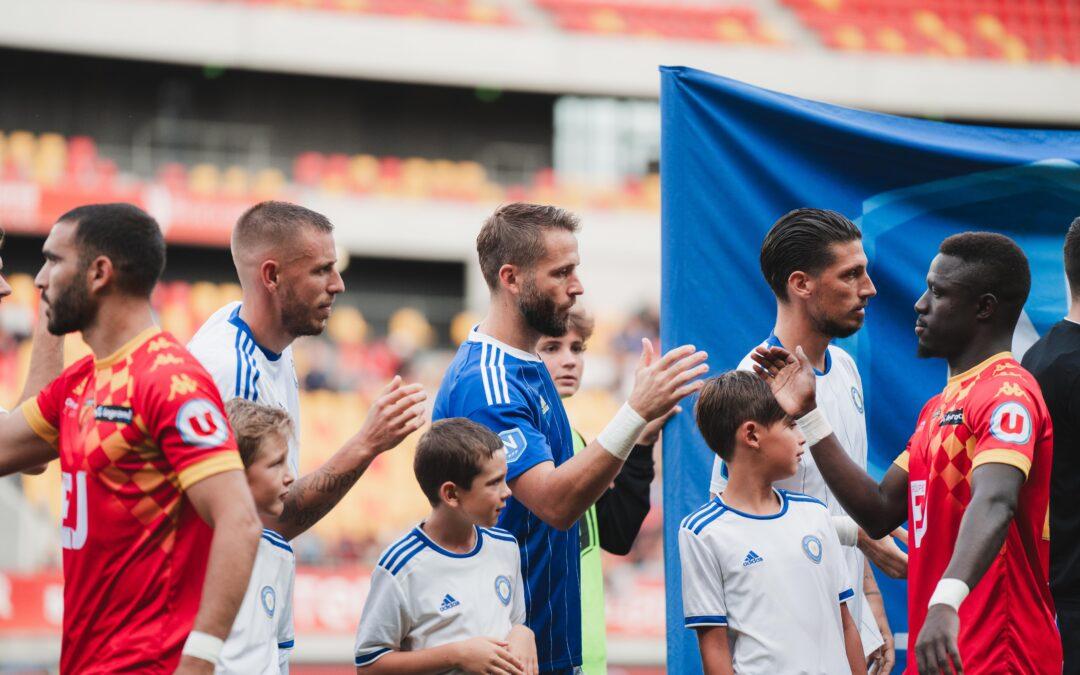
396 412
884 553
877 508
476 655
521 643
24 445
995 491
46 364
224 501
883 658
852 642
715 652
560 495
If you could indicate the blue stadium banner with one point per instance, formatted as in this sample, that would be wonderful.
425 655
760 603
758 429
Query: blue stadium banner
735 157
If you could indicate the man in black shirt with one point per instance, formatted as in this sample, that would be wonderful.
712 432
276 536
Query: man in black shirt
1055 362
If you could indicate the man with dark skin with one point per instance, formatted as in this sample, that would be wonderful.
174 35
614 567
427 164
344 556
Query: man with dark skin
976 471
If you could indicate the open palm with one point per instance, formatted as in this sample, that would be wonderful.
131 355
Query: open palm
789 376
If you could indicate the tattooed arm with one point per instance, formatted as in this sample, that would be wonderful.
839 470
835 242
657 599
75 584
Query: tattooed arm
396 413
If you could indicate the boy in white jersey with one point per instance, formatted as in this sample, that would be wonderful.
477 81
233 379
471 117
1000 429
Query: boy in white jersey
449 595
262 634
764 580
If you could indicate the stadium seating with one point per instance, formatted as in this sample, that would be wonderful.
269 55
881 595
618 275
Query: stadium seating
662 19
1012 30
462 11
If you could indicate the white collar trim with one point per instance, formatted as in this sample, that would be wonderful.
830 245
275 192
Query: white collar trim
476 336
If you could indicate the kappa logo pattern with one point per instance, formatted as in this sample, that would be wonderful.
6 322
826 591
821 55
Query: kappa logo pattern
165 360
1012 389
181 385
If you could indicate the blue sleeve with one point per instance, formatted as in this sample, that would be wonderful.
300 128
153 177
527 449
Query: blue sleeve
525 445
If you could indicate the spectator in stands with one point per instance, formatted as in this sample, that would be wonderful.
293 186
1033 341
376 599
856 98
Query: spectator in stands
528 255
613 523
285 258
1055 362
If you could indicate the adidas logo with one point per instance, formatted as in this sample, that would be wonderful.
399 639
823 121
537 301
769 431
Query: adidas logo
752 558
448 602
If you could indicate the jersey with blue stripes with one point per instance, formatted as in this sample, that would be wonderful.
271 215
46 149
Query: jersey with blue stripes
424 596
774 581
242 368
510 392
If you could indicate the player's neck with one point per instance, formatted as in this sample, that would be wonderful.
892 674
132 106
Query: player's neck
266 327
977 351
794 329
751 492
1074 311
118 321
506 325
449 530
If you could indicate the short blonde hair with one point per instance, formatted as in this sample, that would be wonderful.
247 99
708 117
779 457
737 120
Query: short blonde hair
582 323
252 422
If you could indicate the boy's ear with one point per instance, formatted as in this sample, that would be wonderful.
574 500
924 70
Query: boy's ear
448 493
749 433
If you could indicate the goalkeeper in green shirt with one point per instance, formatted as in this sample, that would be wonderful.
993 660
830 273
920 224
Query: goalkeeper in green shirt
613 522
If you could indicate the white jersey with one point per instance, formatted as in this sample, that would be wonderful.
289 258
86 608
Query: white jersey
262 634
241 368
840 398
423 596
775 581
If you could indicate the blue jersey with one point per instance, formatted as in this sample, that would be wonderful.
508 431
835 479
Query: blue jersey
510 392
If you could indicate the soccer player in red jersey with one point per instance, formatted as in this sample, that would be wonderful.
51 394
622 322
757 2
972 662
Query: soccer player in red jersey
974 480
148 462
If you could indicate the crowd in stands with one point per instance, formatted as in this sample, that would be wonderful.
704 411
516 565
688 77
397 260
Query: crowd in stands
340 373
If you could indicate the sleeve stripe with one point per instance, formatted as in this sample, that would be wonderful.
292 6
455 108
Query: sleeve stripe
1003 456
32 412
219 462
706 620
288 644
902 461
275 542
239 365
847 595
370 657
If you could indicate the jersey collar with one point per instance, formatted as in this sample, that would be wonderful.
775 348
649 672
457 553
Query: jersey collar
235 320
129 347
783 507
975 370
419 531
774 341
476 336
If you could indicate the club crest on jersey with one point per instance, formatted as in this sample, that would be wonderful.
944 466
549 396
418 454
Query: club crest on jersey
201 424
514 441
952 418
1011 423
117 414
269 600
503 589
856 398
811 546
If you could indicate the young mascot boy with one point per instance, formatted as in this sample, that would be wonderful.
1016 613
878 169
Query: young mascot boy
764 581
448 596
262 634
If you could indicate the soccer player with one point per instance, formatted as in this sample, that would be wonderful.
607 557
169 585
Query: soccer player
262 634
528 255
448 597
148 462
614 521
974 480
1054 361
813 261
765 584
285 258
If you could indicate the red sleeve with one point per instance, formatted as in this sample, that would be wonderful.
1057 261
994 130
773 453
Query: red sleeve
43 412
182 412
1007 418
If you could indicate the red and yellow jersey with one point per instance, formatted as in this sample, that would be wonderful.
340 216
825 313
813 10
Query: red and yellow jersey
133 431
993 413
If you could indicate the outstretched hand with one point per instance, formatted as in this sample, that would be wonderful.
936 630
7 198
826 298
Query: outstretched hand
660 383
396 412
791 378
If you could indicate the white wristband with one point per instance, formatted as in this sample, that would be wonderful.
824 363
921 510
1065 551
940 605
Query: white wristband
203 646
619 435
949 592
846 530
814 427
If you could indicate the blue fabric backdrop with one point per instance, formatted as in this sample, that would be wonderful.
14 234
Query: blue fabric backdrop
735 157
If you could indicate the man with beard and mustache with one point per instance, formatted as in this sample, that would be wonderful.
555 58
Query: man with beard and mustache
813 261
529 257
974 479
286 260
159 529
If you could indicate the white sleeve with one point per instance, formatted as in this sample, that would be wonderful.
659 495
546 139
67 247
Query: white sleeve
220 362
385 622
834 558
286 636
718 481
517 610
702 583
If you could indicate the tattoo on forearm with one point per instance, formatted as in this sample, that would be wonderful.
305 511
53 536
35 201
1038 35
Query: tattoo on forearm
314 495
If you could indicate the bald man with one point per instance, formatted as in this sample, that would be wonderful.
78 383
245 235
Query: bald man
286 260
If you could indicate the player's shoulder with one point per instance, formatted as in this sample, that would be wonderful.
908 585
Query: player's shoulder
499 537
1005 379
702 518
841 358
275 544
399 557
163 356
800 500
485 375
216 327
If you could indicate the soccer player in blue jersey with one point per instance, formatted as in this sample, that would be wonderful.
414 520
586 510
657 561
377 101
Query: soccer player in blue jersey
529 257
